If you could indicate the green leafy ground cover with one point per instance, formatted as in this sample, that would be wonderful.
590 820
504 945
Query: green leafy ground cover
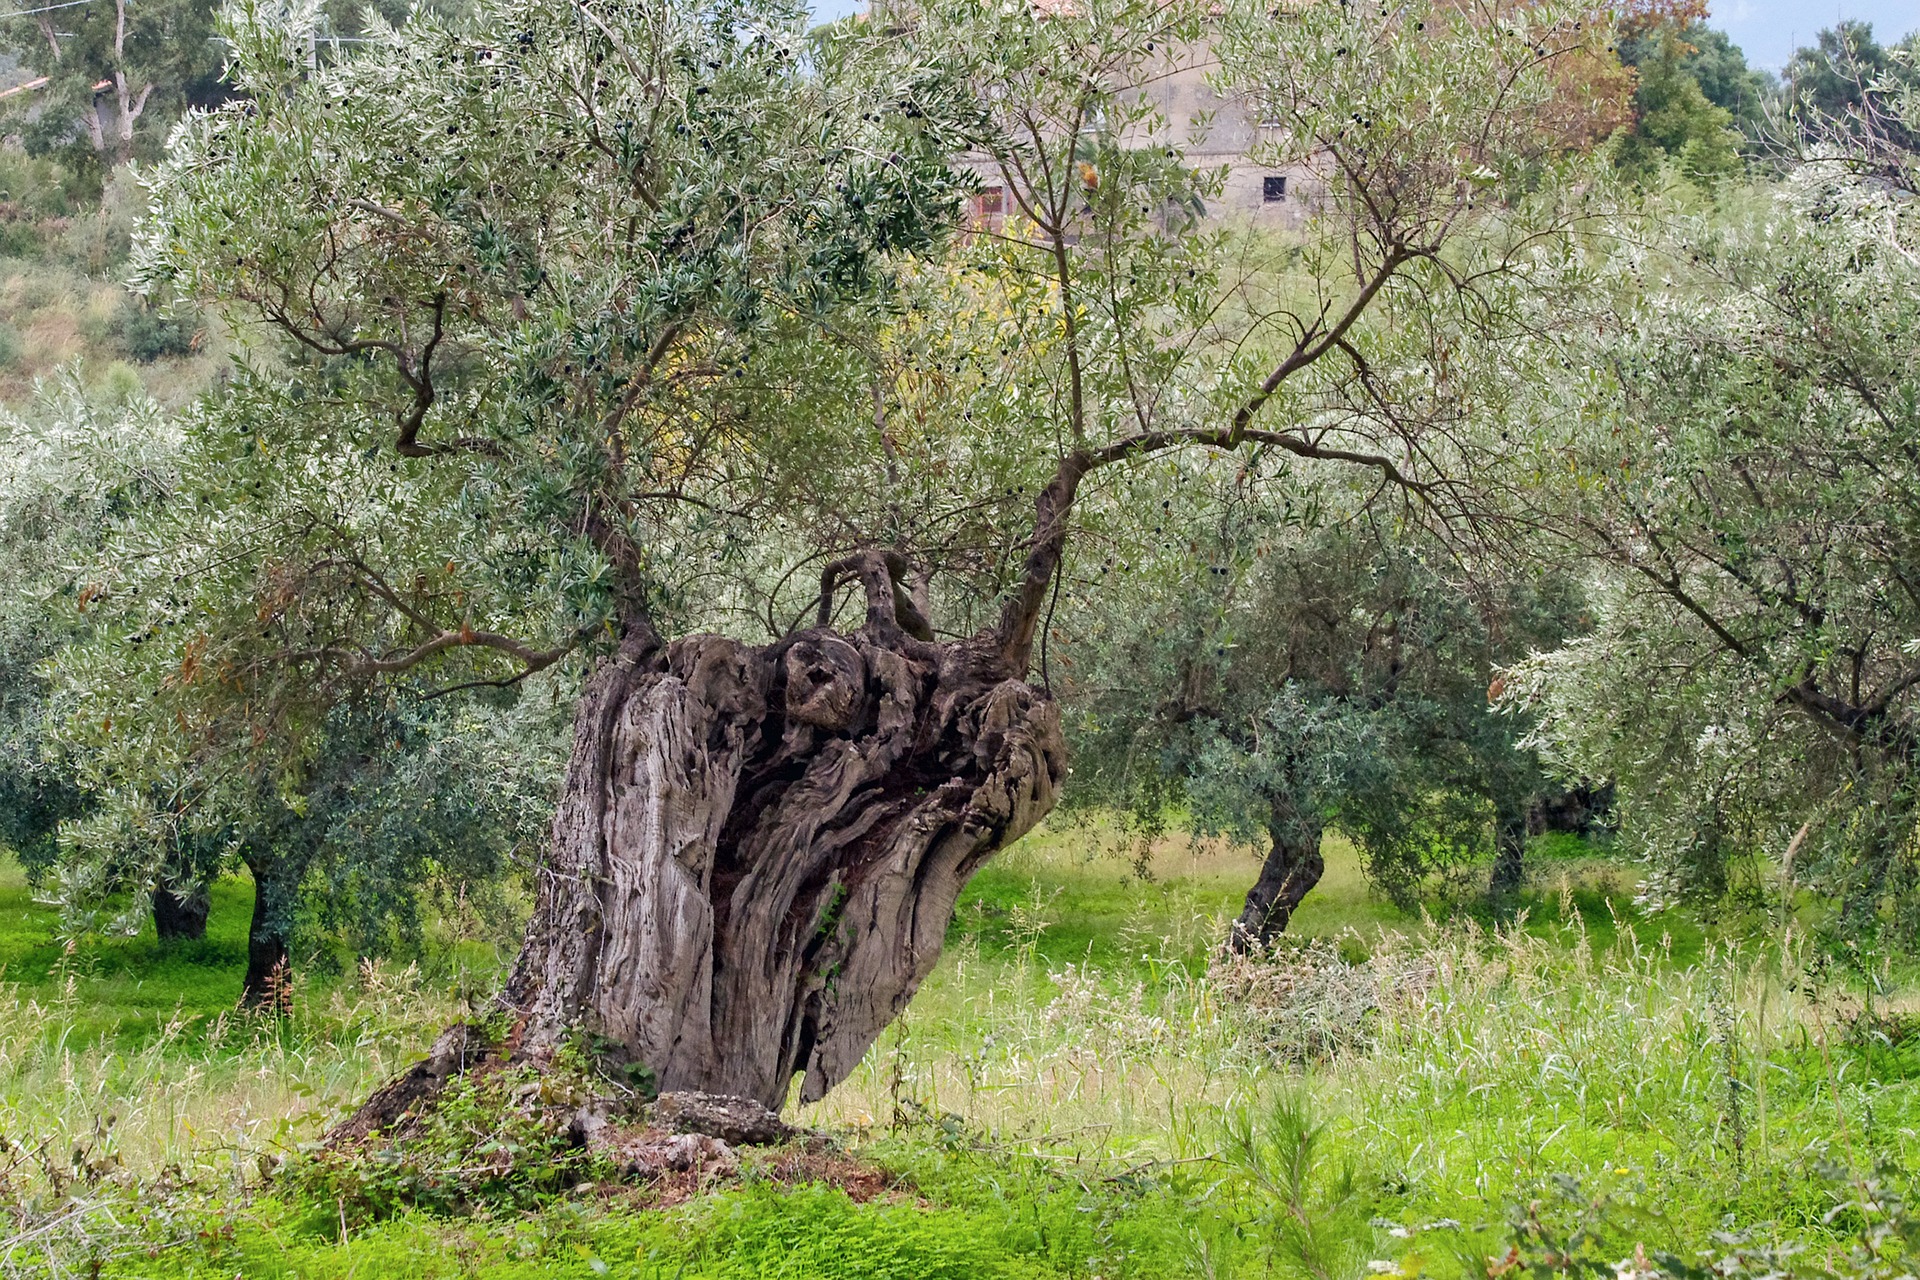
1082 1090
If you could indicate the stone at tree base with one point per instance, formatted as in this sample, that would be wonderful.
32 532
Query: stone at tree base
682 1132
651 1153
743 1122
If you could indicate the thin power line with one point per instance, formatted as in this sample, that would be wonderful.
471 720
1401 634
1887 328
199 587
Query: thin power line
65 4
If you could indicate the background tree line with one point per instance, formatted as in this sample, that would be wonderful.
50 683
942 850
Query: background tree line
1288 651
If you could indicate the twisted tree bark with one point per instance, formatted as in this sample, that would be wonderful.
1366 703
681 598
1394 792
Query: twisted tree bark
758 850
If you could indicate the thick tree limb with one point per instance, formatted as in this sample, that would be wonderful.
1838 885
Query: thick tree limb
1054 507
890 606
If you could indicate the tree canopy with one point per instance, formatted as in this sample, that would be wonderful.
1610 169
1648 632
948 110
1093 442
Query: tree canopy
1737 449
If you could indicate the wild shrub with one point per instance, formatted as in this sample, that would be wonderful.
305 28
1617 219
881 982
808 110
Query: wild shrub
149 333
1312 1210
499 1137
1308 1001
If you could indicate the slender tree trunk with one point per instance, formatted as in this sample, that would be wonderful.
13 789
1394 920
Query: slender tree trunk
1294 865
178 917
276 884
1510 851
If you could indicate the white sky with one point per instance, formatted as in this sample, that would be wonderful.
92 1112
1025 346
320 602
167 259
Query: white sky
1768 31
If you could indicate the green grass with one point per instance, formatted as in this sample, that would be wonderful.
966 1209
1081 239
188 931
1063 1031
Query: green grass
128 987
1019 1227
1081 1089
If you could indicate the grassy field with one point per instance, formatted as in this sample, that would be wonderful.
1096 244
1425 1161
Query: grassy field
1083 1089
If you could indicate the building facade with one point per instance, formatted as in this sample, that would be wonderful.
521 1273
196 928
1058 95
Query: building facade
1216 132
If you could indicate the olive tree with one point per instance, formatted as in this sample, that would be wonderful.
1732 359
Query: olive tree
410 795
1331 667
1734 453
635 334
71 468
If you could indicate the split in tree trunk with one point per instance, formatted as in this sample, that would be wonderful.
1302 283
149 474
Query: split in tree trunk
276 882
1293 866
180 917
758 850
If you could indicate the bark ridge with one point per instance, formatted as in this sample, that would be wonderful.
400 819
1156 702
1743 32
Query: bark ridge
758 850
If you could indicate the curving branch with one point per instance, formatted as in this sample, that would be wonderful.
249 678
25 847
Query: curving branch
1054 506
359 663
420 382
890 605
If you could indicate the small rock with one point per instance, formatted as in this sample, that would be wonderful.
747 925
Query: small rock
650 1157
740 1121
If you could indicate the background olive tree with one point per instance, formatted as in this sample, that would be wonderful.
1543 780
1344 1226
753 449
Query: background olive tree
1326 667
1734 452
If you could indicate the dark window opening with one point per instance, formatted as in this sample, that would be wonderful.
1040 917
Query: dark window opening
1273 187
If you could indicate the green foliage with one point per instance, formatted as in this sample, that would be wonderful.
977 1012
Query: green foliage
1318 674
1077 1107
497 1138
573 297
158 58
1569 1233
818 1231
1675 118
148 333
36 195
1009 1224
72 471
1731 452
1847 81
1721 70
1316 1216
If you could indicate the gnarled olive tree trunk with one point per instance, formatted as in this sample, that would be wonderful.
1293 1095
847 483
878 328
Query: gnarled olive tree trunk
277 871
758 850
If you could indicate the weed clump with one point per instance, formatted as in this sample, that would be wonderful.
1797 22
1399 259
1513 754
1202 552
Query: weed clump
1311 1001
148 333
1571 1232
499 1136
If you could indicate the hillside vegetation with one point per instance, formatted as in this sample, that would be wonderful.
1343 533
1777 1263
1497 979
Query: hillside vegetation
64 299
